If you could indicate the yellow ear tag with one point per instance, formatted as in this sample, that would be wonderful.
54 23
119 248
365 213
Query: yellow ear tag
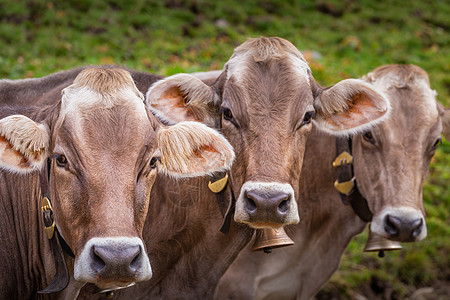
49 230
345 187
219 185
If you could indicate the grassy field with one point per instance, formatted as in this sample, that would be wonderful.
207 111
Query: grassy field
340 39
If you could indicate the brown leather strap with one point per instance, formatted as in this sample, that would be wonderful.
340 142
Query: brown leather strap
226 224
225 200
345 173
61 278
344 170
223 196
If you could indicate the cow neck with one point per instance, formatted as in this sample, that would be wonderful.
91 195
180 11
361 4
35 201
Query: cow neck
57 243
346 182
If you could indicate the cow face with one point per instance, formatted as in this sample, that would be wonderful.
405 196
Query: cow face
266 99
392 159
105 149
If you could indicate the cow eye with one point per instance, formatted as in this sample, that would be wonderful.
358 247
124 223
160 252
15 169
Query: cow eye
368 136
436 143
61 160
227 114
308 117
153 162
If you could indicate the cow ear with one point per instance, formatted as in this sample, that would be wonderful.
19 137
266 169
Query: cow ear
446 124
350 107
182 97
24 144
191 149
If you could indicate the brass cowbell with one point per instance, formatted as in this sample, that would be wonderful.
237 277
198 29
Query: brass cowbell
376 242
268 238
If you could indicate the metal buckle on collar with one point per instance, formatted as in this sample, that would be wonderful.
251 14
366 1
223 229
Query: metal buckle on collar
46 206
219 185
345 187
344 158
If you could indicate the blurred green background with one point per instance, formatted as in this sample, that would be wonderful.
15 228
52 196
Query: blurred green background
340 39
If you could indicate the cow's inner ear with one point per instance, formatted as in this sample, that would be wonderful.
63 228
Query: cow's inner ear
172 105
182 97
23 144
350 107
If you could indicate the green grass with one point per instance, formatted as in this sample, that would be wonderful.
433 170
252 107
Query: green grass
340 39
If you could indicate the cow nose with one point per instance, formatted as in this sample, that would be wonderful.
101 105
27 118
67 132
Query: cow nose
114 262
267 203
400 230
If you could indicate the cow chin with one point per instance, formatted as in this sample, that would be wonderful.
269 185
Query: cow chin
403 224
113 262
266 205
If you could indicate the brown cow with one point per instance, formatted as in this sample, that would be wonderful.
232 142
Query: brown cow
267 97
104 148
390 164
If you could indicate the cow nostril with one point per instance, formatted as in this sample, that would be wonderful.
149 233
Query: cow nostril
135 263
97 262
250 205
283 206
391 225
417 228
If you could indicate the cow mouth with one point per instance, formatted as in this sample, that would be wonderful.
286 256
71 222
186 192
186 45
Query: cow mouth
104 287
264 225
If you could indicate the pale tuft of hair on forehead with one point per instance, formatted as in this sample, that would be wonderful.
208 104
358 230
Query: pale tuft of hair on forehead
101 85
398 76
264 49
267 48
390 77
102 80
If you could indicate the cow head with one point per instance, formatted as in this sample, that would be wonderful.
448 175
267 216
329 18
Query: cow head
105 148
392 159
265 100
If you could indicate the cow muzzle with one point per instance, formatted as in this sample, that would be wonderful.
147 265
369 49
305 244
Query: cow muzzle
266 205
403 224
113 262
